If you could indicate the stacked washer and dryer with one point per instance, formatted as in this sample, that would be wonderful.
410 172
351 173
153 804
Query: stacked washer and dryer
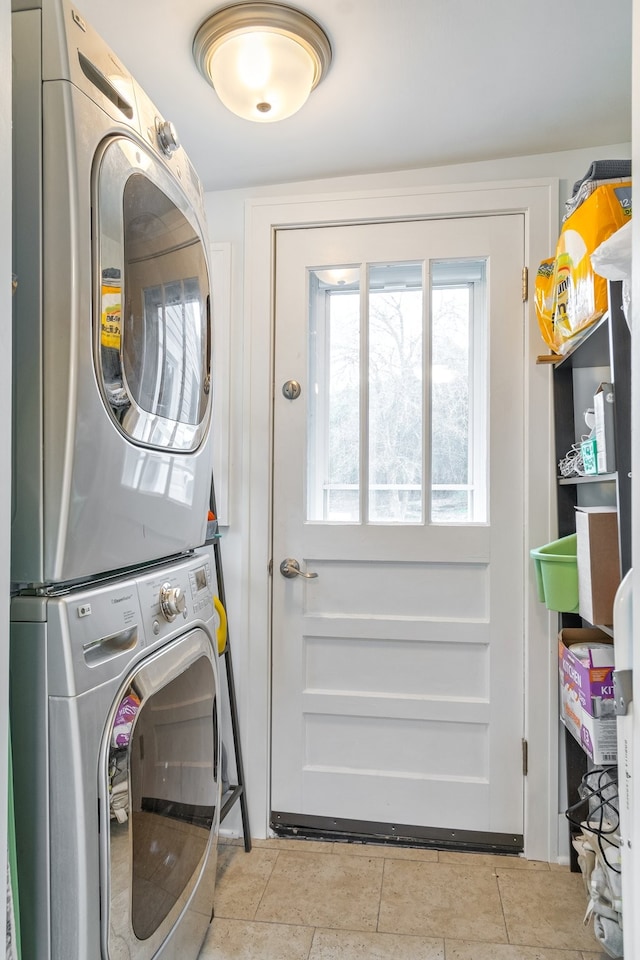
114 680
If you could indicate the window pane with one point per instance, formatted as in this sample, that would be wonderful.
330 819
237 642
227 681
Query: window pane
334 396
458 388
395 393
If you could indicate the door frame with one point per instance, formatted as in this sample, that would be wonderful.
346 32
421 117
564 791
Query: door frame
538 200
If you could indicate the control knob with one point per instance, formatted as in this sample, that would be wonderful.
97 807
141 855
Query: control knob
172 601
167 136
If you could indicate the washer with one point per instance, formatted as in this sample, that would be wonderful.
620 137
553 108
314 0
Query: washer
115 697
112 325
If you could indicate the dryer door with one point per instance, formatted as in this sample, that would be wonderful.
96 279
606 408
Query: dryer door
152 337
160 808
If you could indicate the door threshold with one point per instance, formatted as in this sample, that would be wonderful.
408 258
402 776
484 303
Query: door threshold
338 829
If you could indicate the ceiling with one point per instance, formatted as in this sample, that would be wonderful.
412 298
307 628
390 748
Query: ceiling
413 83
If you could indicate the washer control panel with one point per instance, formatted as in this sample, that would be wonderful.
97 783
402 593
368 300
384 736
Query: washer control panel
91 628
200 584
175 595
172 601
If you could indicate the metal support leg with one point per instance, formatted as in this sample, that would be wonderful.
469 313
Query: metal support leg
237 792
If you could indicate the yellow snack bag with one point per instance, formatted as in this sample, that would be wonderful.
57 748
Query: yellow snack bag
544 290
579 296
110 324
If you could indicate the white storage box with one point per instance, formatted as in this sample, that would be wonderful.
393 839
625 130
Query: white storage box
603 401
598 562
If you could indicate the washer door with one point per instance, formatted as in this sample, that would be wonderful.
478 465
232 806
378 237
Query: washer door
153 338
160 798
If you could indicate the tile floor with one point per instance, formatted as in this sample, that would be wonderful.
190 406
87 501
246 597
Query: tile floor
307 900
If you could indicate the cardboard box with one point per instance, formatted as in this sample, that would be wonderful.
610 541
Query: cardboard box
592 681
598 555
603 401
598 738
586 693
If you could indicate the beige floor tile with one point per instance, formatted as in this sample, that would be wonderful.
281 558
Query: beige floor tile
469 950
492 860
385 850
323 890
441 900
545 910
241 880
291 843
244 940
345 945
587 955
560 867
224 841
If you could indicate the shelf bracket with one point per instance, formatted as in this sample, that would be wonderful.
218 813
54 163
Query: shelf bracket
622 691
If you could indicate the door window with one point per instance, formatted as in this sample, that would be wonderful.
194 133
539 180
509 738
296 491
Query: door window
398 392
153 342
458 392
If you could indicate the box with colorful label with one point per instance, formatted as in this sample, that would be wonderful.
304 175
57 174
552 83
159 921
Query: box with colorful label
586 664
589 451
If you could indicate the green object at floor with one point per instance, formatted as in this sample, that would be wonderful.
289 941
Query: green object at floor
13 864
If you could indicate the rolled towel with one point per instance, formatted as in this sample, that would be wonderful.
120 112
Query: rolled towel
586 858
119 802
586 189
609 933
604 170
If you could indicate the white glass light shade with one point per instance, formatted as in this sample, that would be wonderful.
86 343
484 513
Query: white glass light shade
263 59
262 76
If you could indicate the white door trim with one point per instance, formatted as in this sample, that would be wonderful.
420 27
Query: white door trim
538 200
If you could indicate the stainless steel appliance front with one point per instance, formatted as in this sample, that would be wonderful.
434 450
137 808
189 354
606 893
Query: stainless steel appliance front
116 735
112 400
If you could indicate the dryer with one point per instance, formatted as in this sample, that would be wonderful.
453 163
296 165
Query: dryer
114 693
112 325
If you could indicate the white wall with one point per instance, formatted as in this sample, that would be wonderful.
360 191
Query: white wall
226 216
5 421
225 210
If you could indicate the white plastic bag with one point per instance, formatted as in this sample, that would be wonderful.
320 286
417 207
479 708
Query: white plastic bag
612 260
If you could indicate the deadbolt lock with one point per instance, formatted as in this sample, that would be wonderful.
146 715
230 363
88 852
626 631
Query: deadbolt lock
291 389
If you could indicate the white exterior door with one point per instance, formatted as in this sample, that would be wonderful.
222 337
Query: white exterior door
398 479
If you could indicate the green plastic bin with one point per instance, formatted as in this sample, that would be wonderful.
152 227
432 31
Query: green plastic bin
557 574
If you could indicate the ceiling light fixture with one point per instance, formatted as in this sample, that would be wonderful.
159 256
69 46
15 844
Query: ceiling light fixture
262 59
